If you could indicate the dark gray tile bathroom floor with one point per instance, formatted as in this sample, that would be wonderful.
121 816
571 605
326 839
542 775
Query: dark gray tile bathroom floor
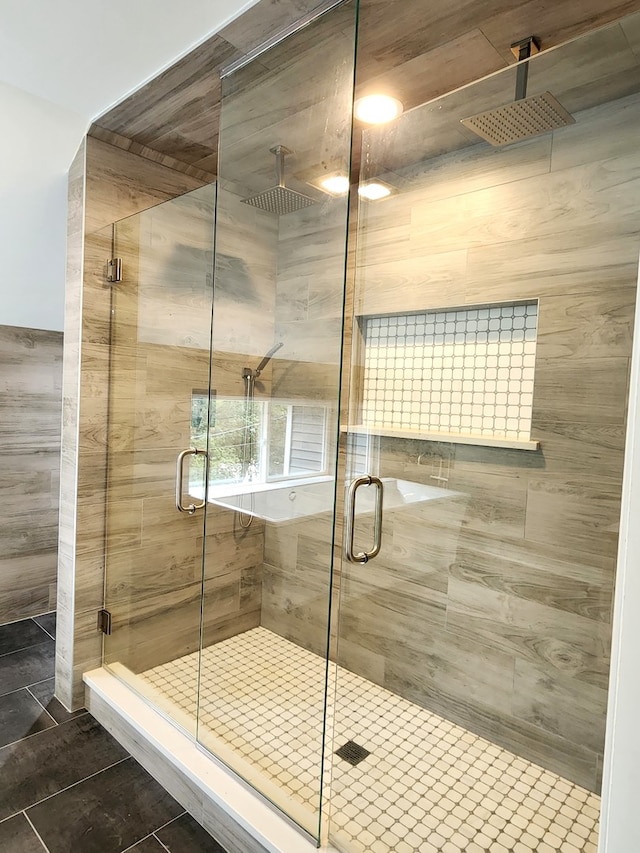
66 785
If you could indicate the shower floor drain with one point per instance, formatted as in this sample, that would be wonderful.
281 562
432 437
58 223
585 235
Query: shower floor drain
352 752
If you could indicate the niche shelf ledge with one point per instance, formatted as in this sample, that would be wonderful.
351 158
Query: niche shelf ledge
452 437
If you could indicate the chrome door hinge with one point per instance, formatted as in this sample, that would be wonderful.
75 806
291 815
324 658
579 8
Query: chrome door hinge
114 270
104 621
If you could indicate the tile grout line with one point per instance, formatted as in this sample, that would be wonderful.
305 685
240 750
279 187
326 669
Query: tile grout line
42 628
33 734
72 714
28 737
28 689
25 619
42 680
38 836
67 788
169 822
28 618
46 632
164 846
45 641
152 834
135 843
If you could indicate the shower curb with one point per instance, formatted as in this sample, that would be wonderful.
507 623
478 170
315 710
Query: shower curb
239 819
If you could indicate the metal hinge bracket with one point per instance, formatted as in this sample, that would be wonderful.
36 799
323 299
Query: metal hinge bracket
114 270
104 621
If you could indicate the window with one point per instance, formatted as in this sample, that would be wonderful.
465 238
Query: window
258 442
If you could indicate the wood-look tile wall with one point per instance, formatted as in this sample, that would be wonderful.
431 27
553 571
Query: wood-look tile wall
159 355
67 628
242 331
297 579
105 184
159 359
497 613
30 418
414 51
305 276
309 293
509 634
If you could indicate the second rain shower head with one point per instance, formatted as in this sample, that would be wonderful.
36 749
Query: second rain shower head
279 200
524 117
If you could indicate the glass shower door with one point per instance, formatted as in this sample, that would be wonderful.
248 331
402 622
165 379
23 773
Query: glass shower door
158 401
279 272
492 326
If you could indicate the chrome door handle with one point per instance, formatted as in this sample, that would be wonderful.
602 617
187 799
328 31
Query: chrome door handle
363 556
191 508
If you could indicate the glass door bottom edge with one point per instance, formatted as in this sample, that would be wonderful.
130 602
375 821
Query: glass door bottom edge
425 782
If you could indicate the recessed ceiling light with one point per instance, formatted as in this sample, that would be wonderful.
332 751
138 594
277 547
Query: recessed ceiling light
377 109
375 191
335 184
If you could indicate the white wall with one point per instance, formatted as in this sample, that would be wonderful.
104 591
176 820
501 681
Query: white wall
87 55
37 144
620 826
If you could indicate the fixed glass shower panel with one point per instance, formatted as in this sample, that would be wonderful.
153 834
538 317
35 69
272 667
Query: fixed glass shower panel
158 401
492 327
279 272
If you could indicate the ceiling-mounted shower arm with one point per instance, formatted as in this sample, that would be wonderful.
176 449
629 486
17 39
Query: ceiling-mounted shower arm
280 152
523 50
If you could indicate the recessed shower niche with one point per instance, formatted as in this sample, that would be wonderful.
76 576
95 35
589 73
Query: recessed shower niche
464 373
487 313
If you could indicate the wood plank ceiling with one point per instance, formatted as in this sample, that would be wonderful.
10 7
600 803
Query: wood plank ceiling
414 49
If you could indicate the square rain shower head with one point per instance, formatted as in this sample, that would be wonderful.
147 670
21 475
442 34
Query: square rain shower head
520 120
279 200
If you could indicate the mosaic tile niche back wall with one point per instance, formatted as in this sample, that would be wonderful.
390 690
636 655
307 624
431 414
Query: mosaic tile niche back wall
469 371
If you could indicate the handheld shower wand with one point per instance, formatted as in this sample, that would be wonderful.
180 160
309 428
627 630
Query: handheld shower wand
247 371
249 376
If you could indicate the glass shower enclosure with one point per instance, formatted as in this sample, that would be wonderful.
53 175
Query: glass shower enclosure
159 392
494 299
225 381
366 447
